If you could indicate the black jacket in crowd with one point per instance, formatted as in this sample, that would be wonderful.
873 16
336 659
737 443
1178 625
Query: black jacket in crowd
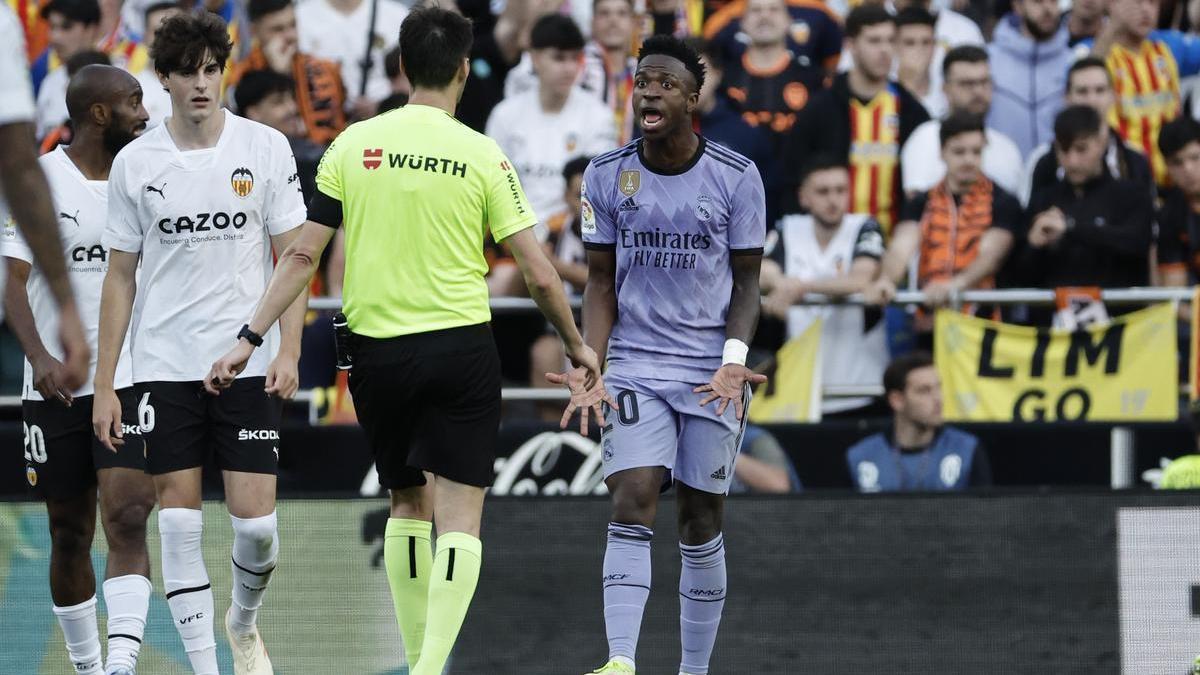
1110 226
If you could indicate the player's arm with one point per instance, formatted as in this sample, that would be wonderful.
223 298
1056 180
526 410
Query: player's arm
48 372
545 287
116 308
283 375
600 299
289 281
28 197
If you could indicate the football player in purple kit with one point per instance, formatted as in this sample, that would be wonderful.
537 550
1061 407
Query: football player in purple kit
674 226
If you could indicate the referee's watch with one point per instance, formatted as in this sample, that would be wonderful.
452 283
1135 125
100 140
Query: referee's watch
250 336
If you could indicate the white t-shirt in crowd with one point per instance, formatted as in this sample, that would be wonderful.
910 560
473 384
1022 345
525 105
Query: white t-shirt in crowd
921 165
52 101
329 34
154 97
202 220
81 206
853 352
540 144
16 92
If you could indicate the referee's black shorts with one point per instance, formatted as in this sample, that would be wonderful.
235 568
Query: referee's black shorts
429 401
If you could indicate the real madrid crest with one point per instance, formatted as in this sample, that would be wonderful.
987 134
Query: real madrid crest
242 182
704 208
629 182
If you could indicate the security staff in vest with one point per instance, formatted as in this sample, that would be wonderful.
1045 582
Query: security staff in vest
416 191
917 454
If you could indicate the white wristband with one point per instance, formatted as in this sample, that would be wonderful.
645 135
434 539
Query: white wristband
735 352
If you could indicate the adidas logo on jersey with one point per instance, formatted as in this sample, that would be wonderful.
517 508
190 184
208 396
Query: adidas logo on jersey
628 205
719 474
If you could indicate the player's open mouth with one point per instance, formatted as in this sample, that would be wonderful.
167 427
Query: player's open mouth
651 118
200 100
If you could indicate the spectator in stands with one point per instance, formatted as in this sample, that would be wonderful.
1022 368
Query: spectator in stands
1089 83
339 31
401 87
495 50
541 129
319 95
915 45
961 230
1085 20
1030 57
268 97
863 118
918 453
831 253
763 466
154 95
1088 228
1178 247
718 120
769 83
74 28
609 62
815 36
968 88
570 261
1146 67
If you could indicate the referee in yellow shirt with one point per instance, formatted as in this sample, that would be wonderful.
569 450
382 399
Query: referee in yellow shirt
417 191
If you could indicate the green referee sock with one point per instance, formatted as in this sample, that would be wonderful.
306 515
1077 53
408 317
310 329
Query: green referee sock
408 557
455 574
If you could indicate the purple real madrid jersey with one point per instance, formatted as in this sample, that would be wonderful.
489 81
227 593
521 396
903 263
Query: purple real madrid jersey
673 234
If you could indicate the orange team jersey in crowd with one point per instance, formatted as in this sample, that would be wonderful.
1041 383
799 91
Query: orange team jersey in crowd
875 156
37 31
320 95
1146 84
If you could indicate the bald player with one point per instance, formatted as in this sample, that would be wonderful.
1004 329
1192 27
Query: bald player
64 462
24 185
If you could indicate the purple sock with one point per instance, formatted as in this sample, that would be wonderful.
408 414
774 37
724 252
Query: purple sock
626 586
701 600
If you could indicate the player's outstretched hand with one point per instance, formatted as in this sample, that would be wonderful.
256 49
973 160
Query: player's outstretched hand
584 356
227 368
76 355
106 419
585 400
49 376
727 385
283 377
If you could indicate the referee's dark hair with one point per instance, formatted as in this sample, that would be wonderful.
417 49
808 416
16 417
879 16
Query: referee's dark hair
556 31
895 378
434 42
669 45
960 123
183 40
86 12
257 9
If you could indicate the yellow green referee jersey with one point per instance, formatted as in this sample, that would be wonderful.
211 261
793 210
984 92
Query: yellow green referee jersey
419 191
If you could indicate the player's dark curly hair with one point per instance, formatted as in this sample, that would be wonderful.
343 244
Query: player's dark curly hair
183 40
669 45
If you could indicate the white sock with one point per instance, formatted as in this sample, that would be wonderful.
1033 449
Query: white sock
189 593
78 624
127 599
255 548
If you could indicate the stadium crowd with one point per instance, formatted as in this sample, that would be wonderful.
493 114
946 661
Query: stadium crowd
942 146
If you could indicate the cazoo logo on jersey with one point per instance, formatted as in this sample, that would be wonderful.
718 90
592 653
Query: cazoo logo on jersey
202 222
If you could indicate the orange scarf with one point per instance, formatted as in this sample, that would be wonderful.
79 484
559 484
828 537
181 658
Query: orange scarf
950 232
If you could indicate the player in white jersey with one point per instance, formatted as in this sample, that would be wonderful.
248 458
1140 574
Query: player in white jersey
64 462
202 199
24 185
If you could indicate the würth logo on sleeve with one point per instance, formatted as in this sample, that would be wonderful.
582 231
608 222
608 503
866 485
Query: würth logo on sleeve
505 166
372 158
242 181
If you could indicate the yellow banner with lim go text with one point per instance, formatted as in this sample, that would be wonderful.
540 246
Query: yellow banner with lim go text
995 372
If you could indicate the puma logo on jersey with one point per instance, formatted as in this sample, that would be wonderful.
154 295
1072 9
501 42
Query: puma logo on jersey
64 215
151 188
